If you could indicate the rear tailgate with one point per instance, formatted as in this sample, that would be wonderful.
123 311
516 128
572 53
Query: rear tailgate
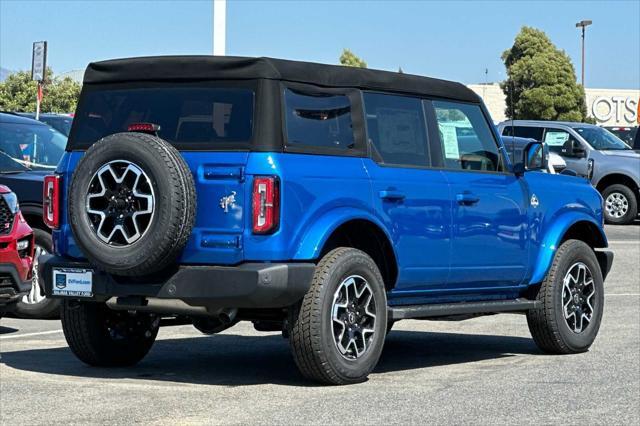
220 220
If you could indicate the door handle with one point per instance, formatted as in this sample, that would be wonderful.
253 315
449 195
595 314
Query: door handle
391 195
467 199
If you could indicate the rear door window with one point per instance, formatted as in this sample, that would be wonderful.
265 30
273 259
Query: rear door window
466 138
396 129
189 116
318 121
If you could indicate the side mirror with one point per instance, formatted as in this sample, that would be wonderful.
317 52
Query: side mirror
535 156
573 148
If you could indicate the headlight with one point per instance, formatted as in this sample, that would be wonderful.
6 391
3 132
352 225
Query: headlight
23 244
12 202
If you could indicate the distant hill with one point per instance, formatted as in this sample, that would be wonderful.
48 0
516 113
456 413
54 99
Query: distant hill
4 73
76 75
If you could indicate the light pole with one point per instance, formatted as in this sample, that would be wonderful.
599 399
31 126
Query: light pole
219 26
583 24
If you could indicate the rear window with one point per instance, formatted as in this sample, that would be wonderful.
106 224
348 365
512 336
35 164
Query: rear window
189 117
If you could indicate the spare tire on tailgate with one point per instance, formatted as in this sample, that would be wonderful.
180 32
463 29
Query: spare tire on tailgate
132 204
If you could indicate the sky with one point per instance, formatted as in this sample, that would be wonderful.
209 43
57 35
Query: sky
454 40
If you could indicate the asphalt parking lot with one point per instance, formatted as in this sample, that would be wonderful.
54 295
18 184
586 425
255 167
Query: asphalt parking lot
485 370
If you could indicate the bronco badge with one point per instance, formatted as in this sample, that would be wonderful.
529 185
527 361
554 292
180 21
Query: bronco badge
227 201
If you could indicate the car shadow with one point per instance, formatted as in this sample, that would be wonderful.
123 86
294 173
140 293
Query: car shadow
235 360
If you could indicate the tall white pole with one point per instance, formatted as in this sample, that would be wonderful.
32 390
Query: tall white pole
38 103
219 26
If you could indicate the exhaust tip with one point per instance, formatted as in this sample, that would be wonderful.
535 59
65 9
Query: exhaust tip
228 315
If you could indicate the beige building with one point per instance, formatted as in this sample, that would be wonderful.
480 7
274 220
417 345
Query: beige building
610 107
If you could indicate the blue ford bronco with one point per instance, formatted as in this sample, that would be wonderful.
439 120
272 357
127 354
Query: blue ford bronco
325 202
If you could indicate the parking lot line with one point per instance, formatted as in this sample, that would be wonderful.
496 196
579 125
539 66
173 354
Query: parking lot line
40 333
622 294
624 242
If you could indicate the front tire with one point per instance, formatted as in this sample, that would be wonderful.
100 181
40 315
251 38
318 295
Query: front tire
103 337
35 304
337 331
620 205
571 301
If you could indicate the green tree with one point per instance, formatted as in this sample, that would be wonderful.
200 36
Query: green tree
541 81
349 59
18 93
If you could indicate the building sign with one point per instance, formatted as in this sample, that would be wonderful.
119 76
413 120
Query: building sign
609 107
39 60
615 108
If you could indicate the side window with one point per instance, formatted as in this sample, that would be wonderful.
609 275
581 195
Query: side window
320 121
466 138
556 139
396 129
523 132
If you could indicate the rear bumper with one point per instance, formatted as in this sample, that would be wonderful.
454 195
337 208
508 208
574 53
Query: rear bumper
250 285
12 288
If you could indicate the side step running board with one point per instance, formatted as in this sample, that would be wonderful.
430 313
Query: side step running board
463 308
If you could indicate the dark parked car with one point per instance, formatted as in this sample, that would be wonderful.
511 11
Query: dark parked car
60 122
29 150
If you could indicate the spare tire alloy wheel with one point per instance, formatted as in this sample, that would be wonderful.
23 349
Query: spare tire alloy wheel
120 203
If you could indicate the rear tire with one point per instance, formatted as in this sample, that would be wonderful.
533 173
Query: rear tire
337 331
558 325
103 337
620 205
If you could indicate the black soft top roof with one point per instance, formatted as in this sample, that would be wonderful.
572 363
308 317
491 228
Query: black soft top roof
190 68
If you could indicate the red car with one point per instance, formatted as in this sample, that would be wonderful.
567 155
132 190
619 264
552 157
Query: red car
16 251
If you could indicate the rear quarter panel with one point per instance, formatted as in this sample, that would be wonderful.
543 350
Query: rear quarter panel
318 193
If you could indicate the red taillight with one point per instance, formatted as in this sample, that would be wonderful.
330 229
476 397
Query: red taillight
266 205
144 128
51 201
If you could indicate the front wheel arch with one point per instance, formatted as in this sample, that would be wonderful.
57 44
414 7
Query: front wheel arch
572 225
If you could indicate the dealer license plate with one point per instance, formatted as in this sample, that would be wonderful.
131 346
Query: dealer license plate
72 282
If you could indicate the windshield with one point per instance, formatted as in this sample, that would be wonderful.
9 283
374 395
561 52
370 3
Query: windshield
26 146
601 139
